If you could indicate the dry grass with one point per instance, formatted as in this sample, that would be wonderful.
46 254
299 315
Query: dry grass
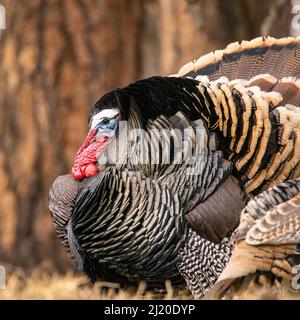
44 284
262 293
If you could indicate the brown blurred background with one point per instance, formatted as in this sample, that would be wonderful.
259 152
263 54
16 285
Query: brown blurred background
58 57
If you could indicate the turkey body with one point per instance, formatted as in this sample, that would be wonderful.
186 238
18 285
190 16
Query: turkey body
160 220
136 216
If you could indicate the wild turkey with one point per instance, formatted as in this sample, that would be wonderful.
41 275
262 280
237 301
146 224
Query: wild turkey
156 221
267 250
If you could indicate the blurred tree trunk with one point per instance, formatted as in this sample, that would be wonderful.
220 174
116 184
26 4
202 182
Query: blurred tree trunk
190 28
58 57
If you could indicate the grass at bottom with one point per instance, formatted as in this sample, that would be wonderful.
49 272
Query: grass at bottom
45 284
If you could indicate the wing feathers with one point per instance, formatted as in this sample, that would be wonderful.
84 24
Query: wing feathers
280 225
218 216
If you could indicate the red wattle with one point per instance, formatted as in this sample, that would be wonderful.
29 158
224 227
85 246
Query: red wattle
77 174
87 156
90 170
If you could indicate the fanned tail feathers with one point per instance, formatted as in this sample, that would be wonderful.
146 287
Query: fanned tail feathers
277 57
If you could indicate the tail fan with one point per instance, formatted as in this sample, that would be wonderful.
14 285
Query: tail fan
277 57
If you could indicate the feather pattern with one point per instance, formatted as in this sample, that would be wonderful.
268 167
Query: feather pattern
278 57
137 223
62 197
266 242
257 131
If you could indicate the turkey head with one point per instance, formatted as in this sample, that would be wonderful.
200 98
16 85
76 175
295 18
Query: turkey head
90 157
110 115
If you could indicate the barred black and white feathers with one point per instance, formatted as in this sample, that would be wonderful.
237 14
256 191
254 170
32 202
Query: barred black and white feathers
133 221
267 243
